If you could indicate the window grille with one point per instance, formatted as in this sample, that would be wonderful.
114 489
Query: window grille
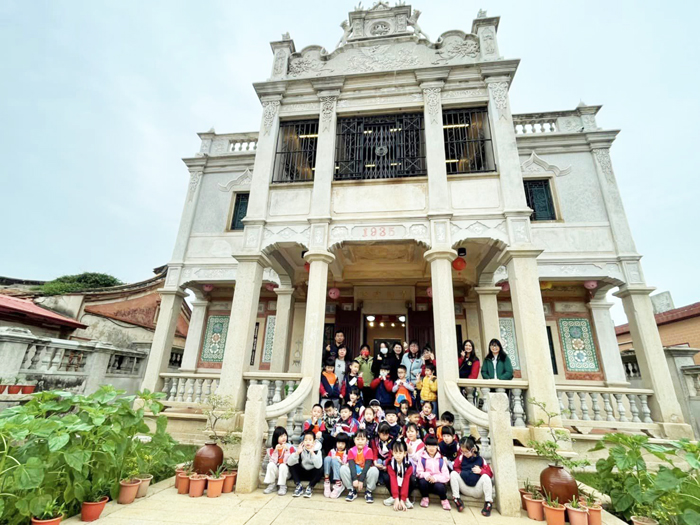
380 147
539 198
295 160
240 208
467 136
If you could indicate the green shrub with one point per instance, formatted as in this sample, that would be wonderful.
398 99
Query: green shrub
78 283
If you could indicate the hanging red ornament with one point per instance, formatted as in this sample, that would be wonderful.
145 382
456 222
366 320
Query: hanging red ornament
459 264
334 293
307 266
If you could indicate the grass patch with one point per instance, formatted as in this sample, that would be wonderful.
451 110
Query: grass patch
588 478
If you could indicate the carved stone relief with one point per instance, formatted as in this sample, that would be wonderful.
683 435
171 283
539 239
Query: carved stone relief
432 103
603 158
243 179
270 108
195 178
535 164
499 93
458 49
327 111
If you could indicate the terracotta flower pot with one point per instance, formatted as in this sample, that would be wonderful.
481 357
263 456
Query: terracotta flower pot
52 521
197 484
177 480
577 516
127 491
91 510
215 486
534 508
208 458
28 389
641 520
558 484
183 483
554 515
523 492
229 481
143 487
2 388
594 515
15 389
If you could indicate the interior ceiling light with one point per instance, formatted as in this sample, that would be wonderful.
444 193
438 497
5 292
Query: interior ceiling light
381 324
393 325
461 252
402 318
371 325
403 324
370 318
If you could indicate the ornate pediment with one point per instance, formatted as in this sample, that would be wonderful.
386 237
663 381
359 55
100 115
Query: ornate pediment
535 164
243 179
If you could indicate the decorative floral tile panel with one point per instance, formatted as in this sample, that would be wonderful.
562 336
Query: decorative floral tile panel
508 340
215 339
579 350
269 339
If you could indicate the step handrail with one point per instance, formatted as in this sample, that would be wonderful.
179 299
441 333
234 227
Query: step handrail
464 407
291 402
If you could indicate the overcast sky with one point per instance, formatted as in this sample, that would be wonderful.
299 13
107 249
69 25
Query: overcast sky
99 101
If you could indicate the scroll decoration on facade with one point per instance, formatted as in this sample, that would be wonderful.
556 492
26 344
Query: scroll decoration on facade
603 158
270 108
278 69
243 179
195 178
327 111
536 164
432 103
499 93
456 49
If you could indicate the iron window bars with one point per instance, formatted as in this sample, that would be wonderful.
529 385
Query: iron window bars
295 159
467 137
539 198
240 208
380 147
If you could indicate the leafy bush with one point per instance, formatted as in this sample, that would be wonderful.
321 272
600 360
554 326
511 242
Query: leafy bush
78 283
670 495
61 449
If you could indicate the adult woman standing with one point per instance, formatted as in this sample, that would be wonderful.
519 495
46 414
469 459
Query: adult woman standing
380 358
469 363
366 364
413 362
341 364
394 359
497 363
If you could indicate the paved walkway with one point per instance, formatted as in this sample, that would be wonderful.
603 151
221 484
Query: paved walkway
164 505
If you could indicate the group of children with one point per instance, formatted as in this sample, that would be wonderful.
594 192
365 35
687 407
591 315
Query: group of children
402 449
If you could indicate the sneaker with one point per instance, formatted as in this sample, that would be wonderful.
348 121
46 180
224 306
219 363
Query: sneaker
282 491
308 492
299 490
459 504
337 490
408 503
446 504
352 495
270 488
486 511
368 496
389 501
424 502
327 488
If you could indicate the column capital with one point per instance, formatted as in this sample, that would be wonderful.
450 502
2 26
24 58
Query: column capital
284 290
521 253
628 290
488 290
601 304
440 253
200 303
177 292
251 257
319 255
434 84
328 93
328 85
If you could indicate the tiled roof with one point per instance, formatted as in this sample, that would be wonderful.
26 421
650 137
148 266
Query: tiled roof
27 309
677 314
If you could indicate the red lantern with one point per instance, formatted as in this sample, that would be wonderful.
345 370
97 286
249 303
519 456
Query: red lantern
270 287
505 287
590 285
334 293
307 266
459 264
430 291
208 287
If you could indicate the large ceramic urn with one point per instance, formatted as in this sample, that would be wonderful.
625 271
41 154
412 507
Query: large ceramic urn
208 458
558 484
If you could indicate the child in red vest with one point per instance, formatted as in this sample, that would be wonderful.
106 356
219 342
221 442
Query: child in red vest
335 459
277 469
400 472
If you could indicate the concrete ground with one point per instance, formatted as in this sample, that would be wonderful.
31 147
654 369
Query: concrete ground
163 505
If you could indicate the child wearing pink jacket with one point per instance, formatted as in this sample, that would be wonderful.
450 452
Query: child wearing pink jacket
433 474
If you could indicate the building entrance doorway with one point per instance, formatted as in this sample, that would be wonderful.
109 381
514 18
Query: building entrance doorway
381 328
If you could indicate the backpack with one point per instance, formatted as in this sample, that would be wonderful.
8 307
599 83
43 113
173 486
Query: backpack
439 459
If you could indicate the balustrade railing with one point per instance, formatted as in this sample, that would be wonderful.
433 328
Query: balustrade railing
605 407
189 388
692 376
529 124
476 392
279 387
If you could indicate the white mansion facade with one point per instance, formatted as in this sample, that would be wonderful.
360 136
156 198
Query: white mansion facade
390 192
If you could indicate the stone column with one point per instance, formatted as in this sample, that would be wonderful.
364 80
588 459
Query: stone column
440 260
488 308
283 323
254 425
438 189
531 330
607 340
312 352
96 367
162 345
652 361
14 343
196 167
264 159
503 455
195 332
241 328
325 156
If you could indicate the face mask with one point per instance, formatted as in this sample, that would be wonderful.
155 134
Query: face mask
365 353
383 350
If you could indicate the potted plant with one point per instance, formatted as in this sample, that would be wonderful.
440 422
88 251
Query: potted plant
555 480
129 486
553 511
14 387
527 489
595 510
95 501
533 505
145 466
28 387
211 455
640 520
230 473
578 514
184 467
215 482
183 481
198 483
51 513
3 385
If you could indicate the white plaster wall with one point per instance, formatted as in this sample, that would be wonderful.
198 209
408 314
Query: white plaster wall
39 331
565 238
289 201
214 246
475 195
214 205
379 198
64 304
119 333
